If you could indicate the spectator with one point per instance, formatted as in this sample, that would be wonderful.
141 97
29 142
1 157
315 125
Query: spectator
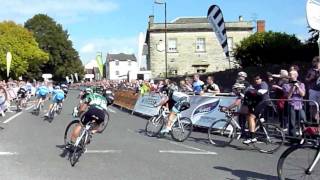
211 87
3 99
197 85
189 84
279 94
295 92
184 87
313 83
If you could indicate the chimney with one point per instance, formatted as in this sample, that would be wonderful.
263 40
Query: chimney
240 18
261 26
151 19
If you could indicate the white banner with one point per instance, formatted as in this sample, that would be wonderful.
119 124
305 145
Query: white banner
204 110
9 58
313 14
216 21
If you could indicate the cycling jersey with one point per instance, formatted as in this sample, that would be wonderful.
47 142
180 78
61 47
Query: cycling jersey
22 92
178 101
57 95
97 100
42 91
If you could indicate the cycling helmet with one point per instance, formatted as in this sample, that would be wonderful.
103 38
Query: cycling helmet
57 87
88 90
243 74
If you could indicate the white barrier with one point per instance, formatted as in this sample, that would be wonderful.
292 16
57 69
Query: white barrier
204 110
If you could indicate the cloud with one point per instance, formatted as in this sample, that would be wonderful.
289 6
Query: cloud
67 11
90 47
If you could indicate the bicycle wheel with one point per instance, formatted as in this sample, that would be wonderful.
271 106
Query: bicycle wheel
77 152
182 129
270 138
295 161
37 110
221 133
105 122
68 131
59 109
154 125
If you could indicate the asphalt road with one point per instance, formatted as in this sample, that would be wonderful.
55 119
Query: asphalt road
30 149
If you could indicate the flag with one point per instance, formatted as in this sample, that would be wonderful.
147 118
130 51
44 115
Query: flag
100 64
9 58
313 14
76 76
216 21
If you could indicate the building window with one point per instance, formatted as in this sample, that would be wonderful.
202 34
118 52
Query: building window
117 62
172 45
230 44
201 70
129 62
117 73
201 45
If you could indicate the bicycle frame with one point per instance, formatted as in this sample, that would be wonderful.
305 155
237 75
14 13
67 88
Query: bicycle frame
85 133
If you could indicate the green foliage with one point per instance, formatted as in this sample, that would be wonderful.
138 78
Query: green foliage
265 48
63 58
26 55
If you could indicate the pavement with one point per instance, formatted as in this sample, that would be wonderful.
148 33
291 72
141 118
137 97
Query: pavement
30 148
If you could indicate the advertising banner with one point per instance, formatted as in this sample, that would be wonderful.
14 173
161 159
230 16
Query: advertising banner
145 104
204 110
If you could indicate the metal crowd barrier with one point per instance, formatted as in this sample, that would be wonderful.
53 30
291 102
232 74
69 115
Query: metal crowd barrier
278 111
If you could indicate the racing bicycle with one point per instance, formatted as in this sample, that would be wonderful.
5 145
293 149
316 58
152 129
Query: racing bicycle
302 160
222 132
181 128
79 147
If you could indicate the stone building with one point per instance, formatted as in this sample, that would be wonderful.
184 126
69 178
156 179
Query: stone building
192 46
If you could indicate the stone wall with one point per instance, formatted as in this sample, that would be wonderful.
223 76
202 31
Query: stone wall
186 60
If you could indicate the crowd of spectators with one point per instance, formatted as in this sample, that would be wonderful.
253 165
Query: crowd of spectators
283 86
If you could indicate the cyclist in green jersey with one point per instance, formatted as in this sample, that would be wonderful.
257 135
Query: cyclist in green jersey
97 107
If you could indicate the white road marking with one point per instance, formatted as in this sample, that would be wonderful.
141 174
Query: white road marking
188 152
8 153
187 146
102 151
16 115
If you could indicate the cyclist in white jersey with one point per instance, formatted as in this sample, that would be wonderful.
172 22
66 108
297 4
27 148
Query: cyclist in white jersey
178 101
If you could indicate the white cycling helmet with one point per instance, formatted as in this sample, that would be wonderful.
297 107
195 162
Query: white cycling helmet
57 87
242 74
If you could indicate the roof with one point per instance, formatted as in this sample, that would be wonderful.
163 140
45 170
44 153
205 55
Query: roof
92 64
199 24
121 57
185 20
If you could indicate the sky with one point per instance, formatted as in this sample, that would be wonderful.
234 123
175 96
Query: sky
113 26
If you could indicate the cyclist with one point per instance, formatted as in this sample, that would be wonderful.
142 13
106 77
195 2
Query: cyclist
41 93
97 107
21 94
239 89
64 89
256 100
57 97
83 94
177 101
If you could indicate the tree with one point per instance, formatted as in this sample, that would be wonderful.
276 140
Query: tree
63 58
270 47
27 57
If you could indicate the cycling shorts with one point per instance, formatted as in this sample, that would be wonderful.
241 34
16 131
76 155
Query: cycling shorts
43 97
93 113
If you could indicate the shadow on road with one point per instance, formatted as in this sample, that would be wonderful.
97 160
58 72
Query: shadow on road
245 175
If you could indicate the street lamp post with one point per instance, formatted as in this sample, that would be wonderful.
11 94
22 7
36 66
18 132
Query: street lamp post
165 34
